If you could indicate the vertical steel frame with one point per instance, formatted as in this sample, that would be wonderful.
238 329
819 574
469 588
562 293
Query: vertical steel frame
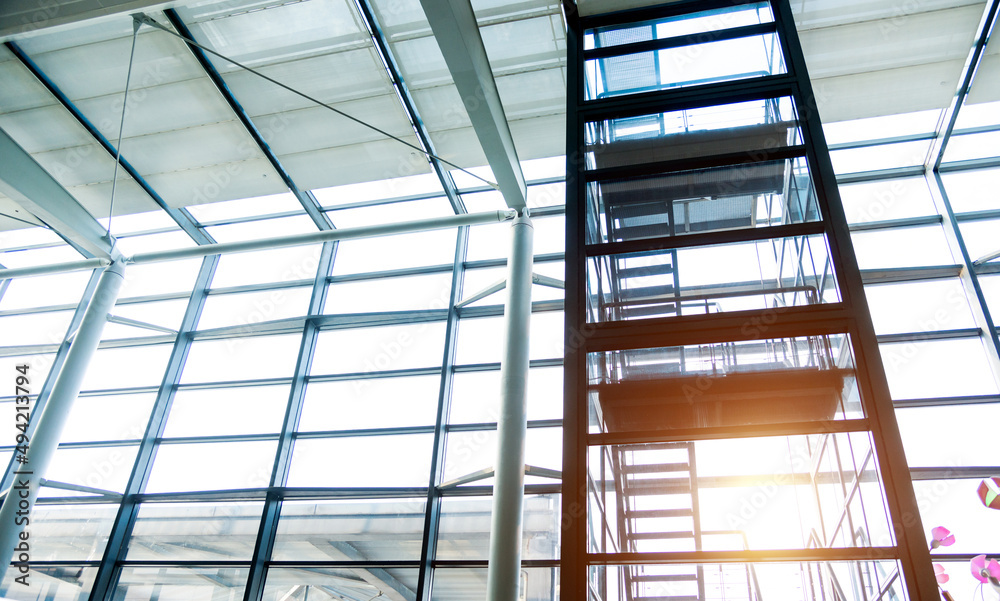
850 316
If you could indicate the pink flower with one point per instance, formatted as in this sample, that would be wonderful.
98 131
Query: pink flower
984 571
939 574
941 537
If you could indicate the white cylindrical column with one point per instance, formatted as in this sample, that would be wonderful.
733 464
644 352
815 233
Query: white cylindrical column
508 490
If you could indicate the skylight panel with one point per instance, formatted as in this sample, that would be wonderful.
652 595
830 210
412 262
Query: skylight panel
427 183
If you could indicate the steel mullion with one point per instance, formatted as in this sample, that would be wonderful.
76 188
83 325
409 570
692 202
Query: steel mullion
121 531
266 533
305 198
409 107
180 216
432 517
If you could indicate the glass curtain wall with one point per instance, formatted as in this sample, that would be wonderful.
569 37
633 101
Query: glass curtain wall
729 430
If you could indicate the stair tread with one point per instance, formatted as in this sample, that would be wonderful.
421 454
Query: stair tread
636 514
655 468
661 535
665 577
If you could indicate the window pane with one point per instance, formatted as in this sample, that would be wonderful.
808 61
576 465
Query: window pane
283 584
965 190
469 452
181 583
464 532
937 368
70 532
34 328
250 357
413 293
45 290
127 367
475 396
211 412
905 247
212 466
160 278
462 584
350 530
111 417
370 403
106 468
263 266
58 583
888 199
195 531
364 461
953 436
955 505
479 339
369 350
396 252
251 308
919 306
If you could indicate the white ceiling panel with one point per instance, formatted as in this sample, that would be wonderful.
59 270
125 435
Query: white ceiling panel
892 14
156 109
318 127
441 108
986 86
401 18
101 68
80 34
129 197
460 146
254 177
46 128
371 161
533 93
217 144
421 63
277 34
20 89
330 78
925 37
78 165
525 44
877 93
540 137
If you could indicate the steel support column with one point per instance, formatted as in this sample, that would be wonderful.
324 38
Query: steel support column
508 490
42 446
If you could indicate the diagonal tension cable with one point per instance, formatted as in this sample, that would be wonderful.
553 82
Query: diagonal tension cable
146 19
121 124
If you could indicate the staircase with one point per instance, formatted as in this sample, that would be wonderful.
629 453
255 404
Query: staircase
656 486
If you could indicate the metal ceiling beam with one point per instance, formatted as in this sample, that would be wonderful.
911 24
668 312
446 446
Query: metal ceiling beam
31 186
183 219
409 107
454 25
987 24
305 198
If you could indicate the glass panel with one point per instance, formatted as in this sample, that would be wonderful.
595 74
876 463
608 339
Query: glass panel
475 396
464 529
212 466
367 350
160 278
285 584
244 207
250 357
702 200
546 340
904 247
847 581
937 368
422 292
250 308
885 156
761 274
194 531
370 403
166 314
34 328
926 306
45 290
127 367
106 468
211 412
70 532
113 417
888 199
965 190
746 494
180 584
725 384
690 65
953 436
265 228
393 212
364 461
265 266
955 504
980 237
52 583
972 146
462 584
477 280
350 530
469 452
492 241
401 251
761 125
